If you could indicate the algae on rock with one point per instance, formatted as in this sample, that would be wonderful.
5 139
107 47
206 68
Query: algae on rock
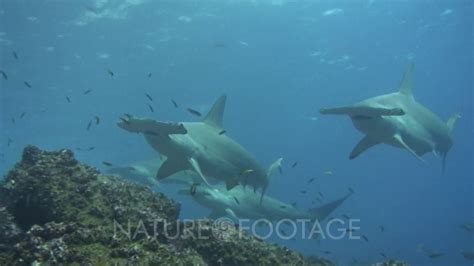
56 210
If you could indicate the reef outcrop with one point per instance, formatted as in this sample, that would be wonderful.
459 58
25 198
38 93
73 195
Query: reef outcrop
56 210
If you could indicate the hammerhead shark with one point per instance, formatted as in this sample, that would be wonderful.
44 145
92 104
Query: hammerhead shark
144 172
242 203
398 120
203 148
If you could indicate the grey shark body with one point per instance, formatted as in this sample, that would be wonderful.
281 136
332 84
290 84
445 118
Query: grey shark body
242 203
203 148
144 172
398 120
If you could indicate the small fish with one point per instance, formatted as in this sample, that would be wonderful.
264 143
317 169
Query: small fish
365 238
192 190
149 75
327 252
110 73
346 216
282 207
435 254
15 55
382 229
194 112
125 120
222 132
174 103
107 164
383 255
68 99
350 190
97 120
236 200
303 191
27 84
13 120
22 115
321 194
280 169
283 233
294 164
350 230
5 77
9 142
149 97
91 148
310 180
247 171
328 173
89 125
151 108
87 92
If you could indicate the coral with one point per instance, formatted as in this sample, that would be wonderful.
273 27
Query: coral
55 210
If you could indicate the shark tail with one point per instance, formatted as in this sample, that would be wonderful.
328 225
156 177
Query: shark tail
322 212
450 124
274 166
443 164
271 170
452 120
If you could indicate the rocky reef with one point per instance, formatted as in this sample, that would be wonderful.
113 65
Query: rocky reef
55 210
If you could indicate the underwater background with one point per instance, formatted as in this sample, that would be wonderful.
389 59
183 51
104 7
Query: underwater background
278 62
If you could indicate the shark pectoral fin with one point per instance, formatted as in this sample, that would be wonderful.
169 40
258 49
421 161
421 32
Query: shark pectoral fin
363 111
195 165
399 139
321 212
150 126
171 166
231 183
364 144
231 213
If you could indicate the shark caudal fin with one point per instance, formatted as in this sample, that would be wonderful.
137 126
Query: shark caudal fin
450 124
271 170
215 116
452 120
407 81
322 212
274 166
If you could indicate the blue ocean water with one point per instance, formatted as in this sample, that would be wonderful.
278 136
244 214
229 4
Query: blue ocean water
278 62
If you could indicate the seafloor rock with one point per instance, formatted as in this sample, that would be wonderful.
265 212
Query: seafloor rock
55 210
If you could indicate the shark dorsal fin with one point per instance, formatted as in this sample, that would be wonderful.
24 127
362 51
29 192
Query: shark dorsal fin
406 84
215 115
